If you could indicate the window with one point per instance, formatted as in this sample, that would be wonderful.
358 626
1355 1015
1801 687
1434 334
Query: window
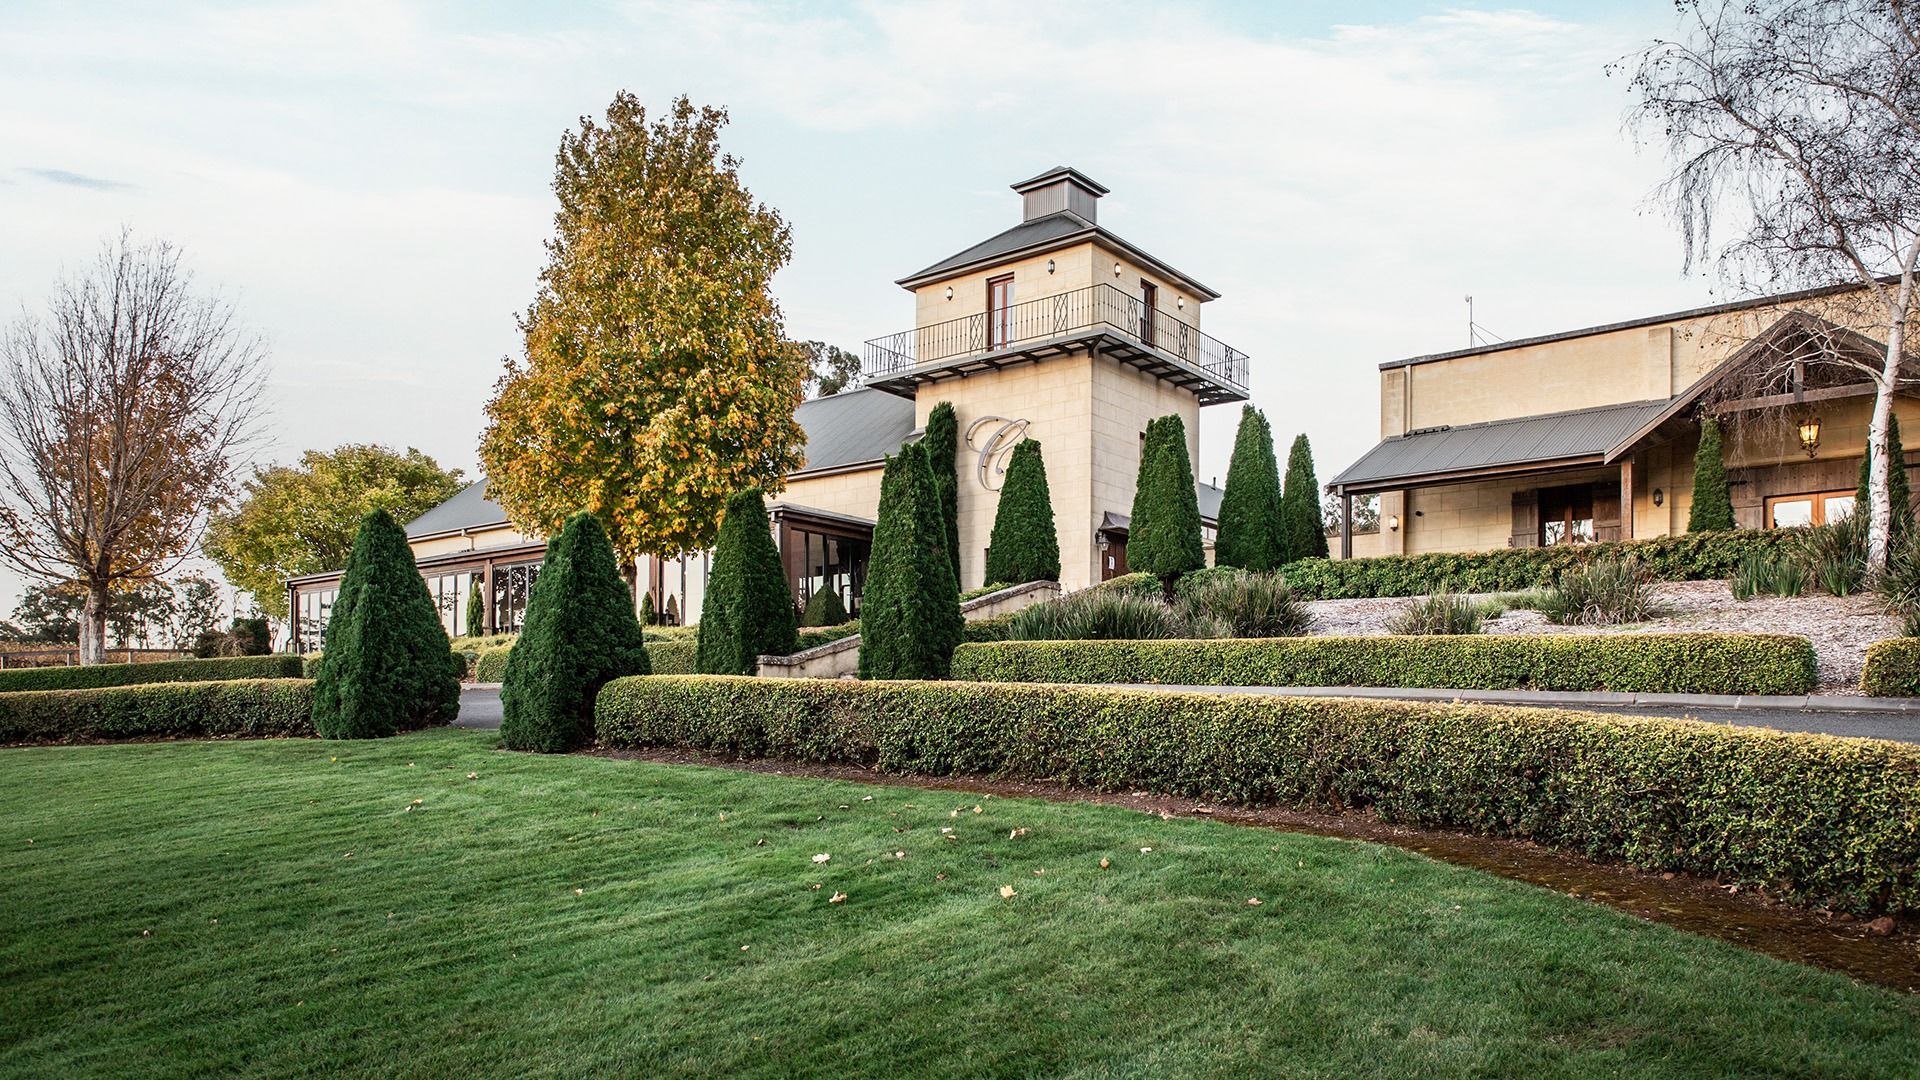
450 594
1000 311
826 561
1566 515
1818 508
512 586
315 608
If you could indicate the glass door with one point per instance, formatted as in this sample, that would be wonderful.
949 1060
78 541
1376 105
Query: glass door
1149 300
1000 311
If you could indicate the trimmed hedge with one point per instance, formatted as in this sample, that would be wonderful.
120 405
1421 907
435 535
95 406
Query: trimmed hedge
674 657
1686 557
1823 820
1704 663
1892 668
491 664
228 708
95 676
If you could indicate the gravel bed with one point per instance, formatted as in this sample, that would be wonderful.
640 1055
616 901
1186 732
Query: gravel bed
1840 628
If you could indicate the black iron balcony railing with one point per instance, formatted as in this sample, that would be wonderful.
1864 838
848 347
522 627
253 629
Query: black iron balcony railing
1050 319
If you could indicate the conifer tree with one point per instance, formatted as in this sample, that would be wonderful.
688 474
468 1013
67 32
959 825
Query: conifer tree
388 665
580 632
1140 534
476 611
1712 508
748 610
1305 537
1166 517
1899 489
942 440
910 620
1026 544
824 608
1251 525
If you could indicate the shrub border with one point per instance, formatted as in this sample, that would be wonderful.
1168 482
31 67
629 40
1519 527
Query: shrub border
98 676
1700 663
1823 820
226 708
1892 668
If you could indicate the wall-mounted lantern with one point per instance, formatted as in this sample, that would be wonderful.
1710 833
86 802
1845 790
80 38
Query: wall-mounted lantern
1049 266
1116 269
949 292
1393 522
1659 496
1810 433
1180 302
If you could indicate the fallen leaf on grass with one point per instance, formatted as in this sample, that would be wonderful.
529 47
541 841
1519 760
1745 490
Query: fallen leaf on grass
978 810
941 876
837 898
579 892
866 798
1145 850
723 815
1040 871
1104 864
1016 832
899 854
473 776
1253 901
1007 893
822 857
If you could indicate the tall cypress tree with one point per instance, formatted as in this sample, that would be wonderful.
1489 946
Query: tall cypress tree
476 611
1026 544
388 665
748 608
1251 526
1899 490
580 632
910 619
1305 535
1712 508
1140 533
1170 506
942 440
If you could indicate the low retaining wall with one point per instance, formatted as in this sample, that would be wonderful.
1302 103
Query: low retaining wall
840 659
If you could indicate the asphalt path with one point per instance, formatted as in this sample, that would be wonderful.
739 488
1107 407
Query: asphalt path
480 709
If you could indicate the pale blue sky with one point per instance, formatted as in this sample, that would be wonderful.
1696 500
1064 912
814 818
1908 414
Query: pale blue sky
369 181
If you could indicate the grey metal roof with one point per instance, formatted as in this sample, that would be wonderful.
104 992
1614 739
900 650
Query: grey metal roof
1209 510
1042 233
1522 440
468 509
1056 173
853 426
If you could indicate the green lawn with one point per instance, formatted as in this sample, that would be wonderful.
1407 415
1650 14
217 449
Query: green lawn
180 909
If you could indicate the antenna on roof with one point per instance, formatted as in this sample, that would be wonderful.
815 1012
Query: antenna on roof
1476 334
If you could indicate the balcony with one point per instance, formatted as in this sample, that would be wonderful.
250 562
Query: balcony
1101 317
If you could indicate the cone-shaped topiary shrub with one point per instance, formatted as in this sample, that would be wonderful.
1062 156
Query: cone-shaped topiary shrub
748 609
389 665
910 620
1899 489
476 612
1251 527
942 440
1025 545
824 608
1712 504
580 632
1305 536
1166 517
649 615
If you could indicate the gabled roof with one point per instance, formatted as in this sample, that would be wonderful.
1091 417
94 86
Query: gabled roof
1209 496
1795 335
1057 230
469 508
1056 173
853 427
1580 436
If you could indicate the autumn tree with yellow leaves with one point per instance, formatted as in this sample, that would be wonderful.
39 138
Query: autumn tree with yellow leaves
657 378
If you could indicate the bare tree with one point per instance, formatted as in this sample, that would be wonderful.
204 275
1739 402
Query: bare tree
1794 127
122 412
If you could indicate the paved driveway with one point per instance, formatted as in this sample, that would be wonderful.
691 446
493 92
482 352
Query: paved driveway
479 708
